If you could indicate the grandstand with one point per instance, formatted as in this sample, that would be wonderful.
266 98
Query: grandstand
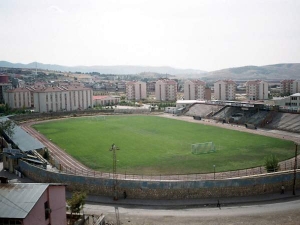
257 118
234 114
202 110
254 114
285 121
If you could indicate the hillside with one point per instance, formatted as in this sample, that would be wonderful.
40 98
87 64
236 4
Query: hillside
122 70
269 72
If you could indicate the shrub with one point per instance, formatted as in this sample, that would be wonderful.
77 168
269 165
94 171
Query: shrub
272 163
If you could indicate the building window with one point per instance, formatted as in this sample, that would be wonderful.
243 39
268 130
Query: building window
47 210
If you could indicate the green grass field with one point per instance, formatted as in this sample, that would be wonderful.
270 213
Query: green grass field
155 145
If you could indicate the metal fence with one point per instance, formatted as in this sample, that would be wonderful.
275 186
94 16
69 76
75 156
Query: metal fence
284 166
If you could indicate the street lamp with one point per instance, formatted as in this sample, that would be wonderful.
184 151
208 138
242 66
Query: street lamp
295 168
214 172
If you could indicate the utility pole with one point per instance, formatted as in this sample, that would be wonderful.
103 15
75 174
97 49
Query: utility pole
115 176
295 168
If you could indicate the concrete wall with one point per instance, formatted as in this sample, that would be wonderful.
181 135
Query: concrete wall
151 189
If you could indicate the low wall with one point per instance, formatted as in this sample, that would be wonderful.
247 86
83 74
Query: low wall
150 189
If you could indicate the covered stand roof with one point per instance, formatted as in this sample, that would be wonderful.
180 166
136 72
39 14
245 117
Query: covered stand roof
13 153
22 139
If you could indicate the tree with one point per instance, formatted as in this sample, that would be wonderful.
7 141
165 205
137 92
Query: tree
77 202
272 163
7 127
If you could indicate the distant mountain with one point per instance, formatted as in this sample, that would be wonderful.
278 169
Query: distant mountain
269 72
121 70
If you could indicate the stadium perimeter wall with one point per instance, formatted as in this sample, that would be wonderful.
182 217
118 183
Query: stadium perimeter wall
151 189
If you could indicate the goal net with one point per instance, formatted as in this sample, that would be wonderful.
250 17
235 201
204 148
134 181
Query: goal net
200 148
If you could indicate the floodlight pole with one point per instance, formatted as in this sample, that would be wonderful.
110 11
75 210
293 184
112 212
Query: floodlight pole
115 177
295 168
214 172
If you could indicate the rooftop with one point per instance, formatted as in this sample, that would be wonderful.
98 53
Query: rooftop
295 95
17 199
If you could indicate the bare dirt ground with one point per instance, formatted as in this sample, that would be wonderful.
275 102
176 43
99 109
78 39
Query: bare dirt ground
270 214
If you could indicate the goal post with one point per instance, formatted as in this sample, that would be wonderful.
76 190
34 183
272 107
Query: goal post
202 148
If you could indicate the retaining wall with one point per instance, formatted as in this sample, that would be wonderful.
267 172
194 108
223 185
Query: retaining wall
151 189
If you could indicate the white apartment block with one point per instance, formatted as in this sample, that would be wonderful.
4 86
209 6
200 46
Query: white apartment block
50 99
295 87
257 90
194 89
224 90
289 87
166 90
136 90
19 98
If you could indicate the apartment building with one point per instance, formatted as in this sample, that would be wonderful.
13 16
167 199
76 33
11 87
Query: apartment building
166 90
257 90
5 84
295 87
224 90
136 90
19 97
50 99
194 89
289 87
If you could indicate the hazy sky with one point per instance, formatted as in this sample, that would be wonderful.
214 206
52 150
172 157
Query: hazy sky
197 34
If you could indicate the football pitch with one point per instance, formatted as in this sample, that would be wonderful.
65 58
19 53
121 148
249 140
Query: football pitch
155 145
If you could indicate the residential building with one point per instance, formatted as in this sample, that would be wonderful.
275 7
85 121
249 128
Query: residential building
102 100
5 84
194 89
224 90
64 98
136 90
257 90
50 99
295 87
166 90
32 203
289 87
19 98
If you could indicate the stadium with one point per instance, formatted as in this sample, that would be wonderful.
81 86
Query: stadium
158 145
186 157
